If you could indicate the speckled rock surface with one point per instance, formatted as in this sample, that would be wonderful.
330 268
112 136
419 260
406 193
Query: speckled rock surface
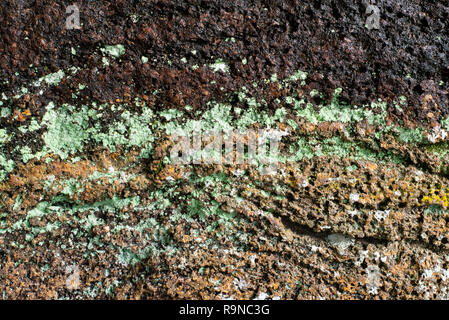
92 207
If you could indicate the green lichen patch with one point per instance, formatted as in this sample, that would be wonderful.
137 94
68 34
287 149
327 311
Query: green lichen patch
115 51
219 65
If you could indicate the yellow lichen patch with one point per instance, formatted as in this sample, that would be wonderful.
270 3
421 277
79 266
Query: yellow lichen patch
438 196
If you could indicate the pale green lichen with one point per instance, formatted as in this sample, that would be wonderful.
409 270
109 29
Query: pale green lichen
314 93
336 146
410 135
133 131
6 166
114 50
61 205
17 202
105 61
3 136
5 112
66 131
219 65
27 155
52 78
171 114
298 75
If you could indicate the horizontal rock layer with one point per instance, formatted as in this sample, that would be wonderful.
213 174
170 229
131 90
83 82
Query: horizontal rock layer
92 204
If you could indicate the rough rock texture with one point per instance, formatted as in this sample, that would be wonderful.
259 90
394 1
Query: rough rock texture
91 205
